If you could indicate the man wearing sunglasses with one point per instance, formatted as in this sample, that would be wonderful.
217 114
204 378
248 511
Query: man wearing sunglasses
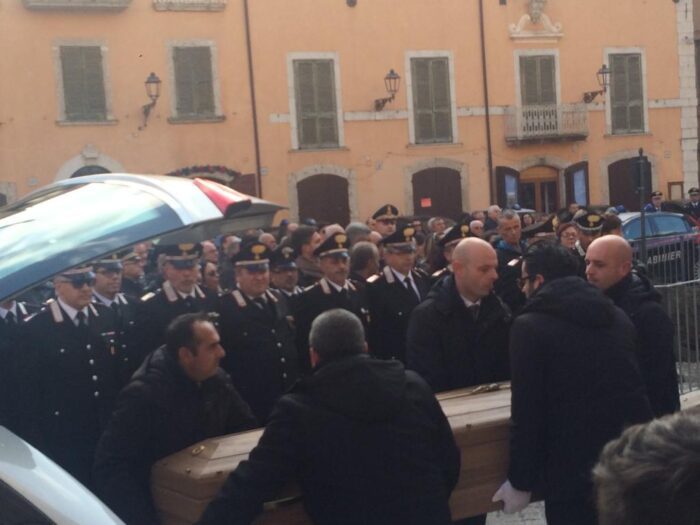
67 374
384 220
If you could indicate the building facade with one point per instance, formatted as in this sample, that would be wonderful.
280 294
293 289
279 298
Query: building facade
279 97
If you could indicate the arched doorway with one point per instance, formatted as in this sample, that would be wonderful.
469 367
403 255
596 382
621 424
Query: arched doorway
437 191
91 169
539 189
622 183
324 197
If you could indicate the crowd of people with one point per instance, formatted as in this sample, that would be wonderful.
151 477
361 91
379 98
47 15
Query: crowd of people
335 338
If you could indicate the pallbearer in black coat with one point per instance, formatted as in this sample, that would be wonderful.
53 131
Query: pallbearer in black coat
393 294
67 373
13 316
257 333
334 290
179 294
108 281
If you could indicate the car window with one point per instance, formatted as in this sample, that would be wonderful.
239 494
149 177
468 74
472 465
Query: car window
668 224
16 510
633 229
48 235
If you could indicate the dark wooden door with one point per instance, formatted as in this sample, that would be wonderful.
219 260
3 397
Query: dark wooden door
324 198
622 183
507 187
437 191
90 169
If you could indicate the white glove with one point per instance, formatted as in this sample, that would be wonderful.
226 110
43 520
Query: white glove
513 500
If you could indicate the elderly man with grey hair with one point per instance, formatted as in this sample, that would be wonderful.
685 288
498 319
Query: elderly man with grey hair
357 232
365 439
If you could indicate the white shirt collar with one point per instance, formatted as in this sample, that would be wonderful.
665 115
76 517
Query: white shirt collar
13 309
401 277
192 294
469 303
72 312
336 287
103 299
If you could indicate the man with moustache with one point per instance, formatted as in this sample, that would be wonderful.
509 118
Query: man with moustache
334 290
257 333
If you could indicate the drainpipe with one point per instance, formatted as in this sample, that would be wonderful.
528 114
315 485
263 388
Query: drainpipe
254 110
492 189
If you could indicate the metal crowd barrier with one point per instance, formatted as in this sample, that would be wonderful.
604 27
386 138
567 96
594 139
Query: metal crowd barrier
670 259
681 302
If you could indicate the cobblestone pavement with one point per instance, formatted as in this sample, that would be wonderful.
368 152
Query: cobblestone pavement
532 515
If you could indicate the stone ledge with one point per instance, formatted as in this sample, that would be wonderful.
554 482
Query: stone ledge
189 5
76 5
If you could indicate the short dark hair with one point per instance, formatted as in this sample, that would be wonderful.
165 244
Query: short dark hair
302 235
337 333
651 474
610 223
361 254
180 332
550 260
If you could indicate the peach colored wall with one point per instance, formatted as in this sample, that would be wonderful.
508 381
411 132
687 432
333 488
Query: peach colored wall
369 39
33 145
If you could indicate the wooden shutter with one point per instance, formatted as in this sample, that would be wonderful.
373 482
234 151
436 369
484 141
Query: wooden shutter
538 80
83 83
432 104
194 84
570 174
626 93
502 173
317 119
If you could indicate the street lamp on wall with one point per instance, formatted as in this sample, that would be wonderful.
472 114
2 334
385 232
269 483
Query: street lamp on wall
603 76
391 82
153 91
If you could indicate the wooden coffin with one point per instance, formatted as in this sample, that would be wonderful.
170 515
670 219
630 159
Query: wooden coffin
184 483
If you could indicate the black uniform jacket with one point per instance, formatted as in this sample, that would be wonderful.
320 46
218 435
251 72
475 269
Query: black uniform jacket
449 349
160 412
508 273
654 343
366 441
693 211
165 304
10 339
575 387
260 351
320 298
390 307
130 333
68 382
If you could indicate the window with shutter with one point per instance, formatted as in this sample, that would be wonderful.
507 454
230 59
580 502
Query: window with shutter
432 100
194 83
538 80
626 93
317 116
83 83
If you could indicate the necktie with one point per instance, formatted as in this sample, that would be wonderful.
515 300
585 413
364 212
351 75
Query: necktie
260 303
10 318
82 320
474 311
409 287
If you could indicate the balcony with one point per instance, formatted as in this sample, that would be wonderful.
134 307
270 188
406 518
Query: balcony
76 5
546 123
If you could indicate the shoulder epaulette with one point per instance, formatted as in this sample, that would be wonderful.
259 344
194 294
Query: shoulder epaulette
438 273
55 310
373 278
390 277
238 297
148 296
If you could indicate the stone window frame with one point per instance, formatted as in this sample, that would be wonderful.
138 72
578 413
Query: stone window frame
62 119
174 118
645 94
291 90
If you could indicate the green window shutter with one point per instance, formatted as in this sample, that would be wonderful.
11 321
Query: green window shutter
538 80
83 83
626 93
314 87
194 85
432 104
